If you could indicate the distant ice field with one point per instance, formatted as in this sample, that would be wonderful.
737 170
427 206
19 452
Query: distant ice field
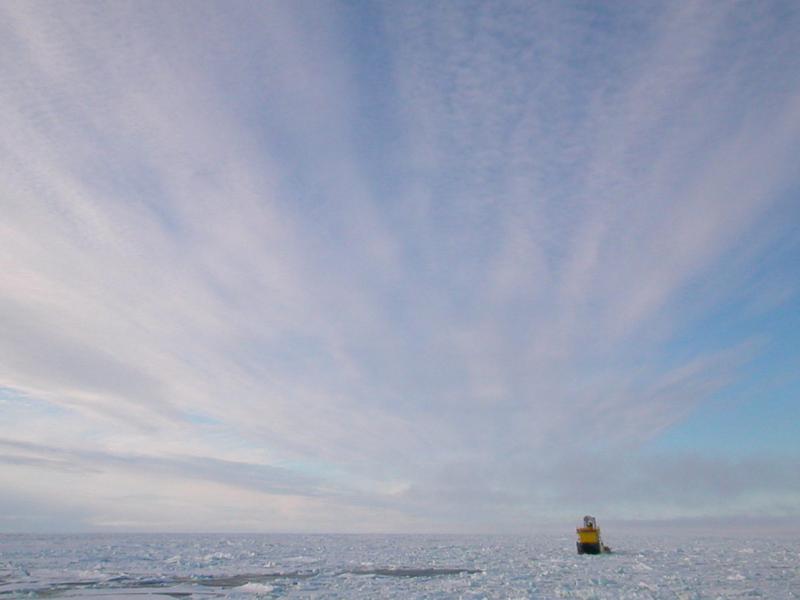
393 566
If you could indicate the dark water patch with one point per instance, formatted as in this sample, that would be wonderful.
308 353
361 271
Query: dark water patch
100 594
52 589
414 572
176 587
143 582
245 578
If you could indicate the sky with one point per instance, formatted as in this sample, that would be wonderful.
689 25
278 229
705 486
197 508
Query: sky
398 266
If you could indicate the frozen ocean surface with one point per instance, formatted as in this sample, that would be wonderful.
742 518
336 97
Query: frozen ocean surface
393 566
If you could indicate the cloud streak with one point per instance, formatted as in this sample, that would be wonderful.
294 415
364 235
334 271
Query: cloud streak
311 254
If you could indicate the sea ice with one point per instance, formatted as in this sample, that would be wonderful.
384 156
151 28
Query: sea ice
397 566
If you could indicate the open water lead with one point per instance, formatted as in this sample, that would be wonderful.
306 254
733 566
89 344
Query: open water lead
589 541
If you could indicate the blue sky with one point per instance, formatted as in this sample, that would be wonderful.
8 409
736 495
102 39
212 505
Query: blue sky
364 266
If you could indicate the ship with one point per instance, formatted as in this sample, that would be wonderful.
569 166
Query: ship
589 540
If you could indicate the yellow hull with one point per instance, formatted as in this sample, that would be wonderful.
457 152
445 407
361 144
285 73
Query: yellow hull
588 535
589 541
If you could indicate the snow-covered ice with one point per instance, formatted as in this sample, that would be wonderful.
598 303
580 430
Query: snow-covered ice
396 566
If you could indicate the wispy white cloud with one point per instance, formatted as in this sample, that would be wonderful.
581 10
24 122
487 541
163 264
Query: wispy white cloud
228 254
